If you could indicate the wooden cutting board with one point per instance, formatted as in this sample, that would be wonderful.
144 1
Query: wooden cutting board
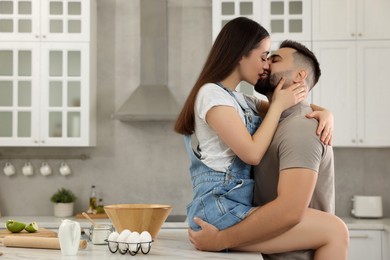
97 216
42 232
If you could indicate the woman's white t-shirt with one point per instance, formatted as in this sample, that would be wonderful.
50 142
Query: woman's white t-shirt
214 152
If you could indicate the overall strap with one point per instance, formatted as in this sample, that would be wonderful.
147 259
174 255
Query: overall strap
237 96
249 112
191 152
251 104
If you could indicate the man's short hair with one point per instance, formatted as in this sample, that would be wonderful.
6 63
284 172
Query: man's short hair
306 58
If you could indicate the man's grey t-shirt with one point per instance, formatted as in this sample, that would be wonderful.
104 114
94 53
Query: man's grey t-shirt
296 145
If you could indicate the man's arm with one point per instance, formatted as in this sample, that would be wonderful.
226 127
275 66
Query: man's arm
295 189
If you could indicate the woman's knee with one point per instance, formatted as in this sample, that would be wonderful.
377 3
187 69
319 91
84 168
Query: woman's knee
331 228
338 231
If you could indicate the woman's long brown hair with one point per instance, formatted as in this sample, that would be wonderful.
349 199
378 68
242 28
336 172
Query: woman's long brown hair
236 40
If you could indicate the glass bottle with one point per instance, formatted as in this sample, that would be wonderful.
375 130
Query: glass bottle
100 206
92 200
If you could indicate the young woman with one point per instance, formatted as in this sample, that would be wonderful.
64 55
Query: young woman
226 125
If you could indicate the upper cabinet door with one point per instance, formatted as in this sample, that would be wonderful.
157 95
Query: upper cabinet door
226 10
19 20
19 94
45 20
337 88
374 93
374 20
65 86
286 19
283 19
65 20
334 19
351 19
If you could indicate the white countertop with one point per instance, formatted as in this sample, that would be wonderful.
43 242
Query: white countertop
371 224
171 243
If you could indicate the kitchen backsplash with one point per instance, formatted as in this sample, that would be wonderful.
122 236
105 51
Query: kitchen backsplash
146 162
361 171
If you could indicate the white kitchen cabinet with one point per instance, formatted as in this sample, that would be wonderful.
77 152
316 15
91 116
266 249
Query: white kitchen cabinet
352 41
287 19
47 20
225 10
47 73
353 85
351 19
284 19
366 244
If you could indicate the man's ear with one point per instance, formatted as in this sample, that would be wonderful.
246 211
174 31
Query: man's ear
301 76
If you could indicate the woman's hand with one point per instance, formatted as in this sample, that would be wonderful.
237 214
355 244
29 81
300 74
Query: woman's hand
290 96
325 125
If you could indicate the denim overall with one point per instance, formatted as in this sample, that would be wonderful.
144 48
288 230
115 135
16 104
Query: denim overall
222 198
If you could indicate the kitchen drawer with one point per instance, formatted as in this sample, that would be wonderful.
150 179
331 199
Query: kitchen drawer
365 244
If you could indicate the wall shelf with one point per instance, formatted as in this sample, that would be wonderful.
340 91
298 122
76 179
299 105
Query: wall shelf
82 157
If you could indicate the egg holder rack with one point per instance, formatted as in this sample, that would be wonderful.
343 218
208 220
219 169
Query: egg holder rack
115 245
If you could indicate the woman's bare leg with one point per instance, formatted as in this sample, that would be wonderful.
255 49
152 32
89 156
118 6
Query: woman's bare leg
318 230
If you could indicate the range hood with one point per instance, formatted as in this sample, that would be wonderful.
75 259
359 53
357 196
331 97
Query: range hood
152 100
149 103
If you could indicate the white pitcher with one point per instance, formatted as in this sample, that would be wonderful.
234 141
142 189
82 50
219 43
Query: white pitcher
69 235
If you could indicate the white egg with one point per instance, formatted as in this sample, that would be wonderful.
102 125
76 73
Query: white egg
145 239
133 241
122 239
112 238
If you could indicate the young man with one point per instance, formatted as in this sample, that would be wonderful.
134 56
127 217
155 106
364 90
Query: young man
296 172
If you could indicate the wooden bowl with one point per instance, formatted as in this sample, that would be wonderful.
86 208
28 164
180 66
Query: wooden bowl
138 217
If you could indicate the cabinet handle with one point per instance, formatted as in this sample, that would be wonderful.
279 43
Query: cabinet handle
43 141
44 36
36 141
360 34
37 36
353 141
352 34
364 236
360 140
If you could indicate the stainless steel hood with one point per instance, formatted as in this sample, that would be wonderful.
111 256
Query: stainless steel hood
152 99
149 103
